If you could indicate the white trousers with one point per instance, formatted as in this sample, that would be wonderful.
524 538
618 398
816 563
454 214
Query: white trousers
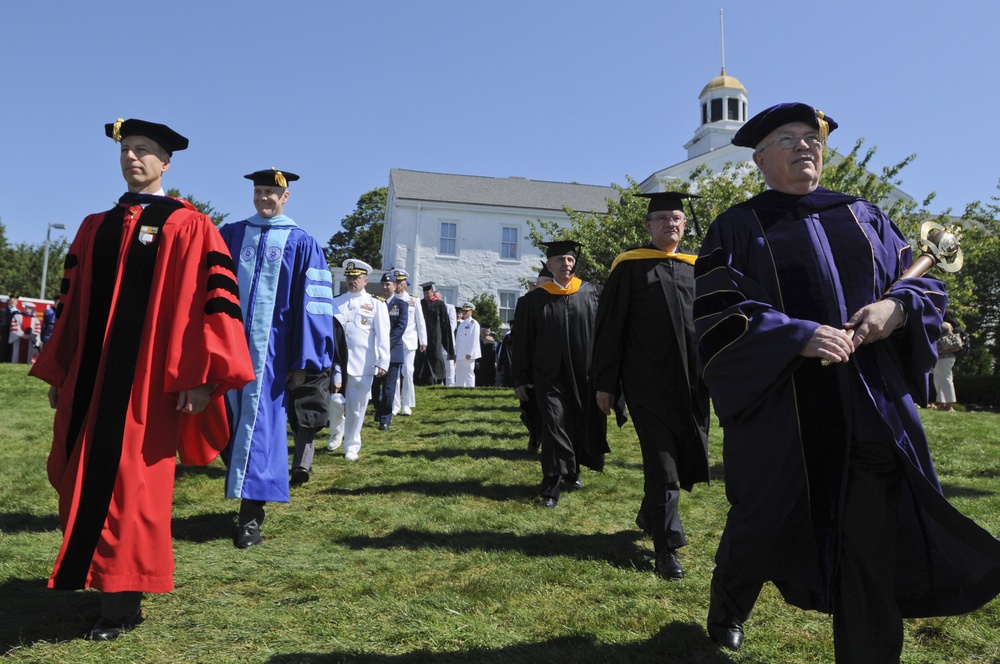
347 412
943 381
405 396
465 373
449 373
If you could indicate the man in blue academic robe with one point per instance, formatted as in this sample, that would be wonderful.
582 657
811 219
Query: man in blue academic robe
834 497
286 292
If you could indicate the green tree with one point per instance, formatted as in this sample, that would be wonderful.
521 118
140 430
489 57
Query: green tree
487 311
205 208
361 234
974 291
21 271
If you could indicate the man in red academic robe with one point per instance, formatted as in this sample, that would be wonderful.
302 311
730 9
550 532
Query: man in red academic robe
150 336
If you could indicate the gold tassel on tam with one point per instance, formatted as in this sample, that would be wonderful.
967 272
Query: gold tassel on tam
279 178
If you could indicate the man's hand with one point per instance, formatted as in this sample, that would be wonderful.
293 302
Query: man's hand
875 321
829 344
194 401
422 348
468 357
295 378
53 396
379 372
605 401
521 392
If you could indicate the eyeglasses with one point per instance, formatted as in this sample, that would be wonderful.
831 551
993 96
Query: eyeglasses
788 142
663 219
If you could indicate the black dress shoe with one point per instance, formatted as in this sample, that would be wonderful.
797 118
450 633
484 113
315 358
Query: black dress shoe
106 629
546 502
729 637
667 566
248 536
572 484
724 627
299 476
383 427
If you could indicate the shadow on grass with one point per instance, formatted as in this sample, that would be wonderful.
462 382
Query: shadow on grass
214 472
676 643
498 492
507 454
23 522
202 528
31 613
952 491
617 549
492 393
465 432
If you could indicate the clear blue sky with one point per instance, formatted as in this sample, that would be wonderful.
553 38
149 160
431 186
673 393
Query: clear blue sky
586 91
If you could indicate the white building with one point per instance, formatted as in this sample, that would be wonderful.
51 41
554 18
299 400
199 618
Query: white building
468 234
724 109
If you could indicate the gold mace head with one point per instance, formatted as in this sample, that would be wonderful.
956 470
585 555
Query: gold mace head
943 244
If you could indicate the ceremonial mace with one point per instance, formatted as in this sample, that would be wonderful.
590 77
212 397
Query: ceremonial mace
939 246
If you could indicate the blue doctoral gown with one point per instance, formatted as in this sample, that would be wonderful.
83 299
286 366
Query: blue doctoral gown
286 293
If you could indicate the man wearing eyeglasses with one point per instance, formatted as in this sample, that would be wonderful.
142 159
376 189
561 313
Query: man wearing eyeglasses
833 493
644 347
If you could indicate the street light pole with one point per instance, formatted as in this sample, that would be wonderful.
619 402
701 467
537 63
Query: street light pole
45 261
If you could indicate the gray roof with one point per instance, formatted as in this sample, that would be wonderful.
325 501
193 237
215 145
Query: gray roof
500 192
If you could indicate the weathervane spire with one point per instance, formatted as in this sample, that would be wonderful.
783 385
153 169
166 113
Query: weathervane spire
722 41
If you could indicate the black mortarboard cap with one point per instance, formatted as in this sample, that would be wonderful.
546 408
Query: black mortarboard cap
561 248
166 137
271 177
666 200
759 126
427 285
671 200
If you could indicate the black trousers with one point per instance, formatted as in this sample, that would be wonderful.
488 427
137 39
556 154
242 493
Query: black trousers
867 623
661 493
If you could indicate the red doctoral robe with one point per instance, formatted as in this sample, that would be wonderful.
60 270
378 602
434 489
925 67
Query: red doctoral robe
149 308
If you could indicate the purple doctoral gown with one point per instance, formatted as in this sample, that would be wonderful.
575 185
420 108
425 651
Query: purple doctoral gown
770 271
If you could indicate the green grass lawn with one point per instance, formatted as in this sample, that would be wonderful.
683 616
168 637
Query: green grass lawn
428 549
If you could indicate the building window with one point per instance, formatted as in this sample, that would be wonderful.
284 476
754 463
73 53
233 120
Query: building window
508 300
716 110
448 243
733 106
508 243
448 293
744 118
704 113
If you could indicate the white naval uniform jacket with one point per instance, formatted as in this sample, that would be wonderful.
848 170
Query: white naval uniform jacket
416 330
366 331
467 340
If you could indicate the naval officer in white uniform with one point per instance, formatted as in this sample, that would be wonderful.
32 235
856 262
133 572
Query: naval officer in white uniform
366 331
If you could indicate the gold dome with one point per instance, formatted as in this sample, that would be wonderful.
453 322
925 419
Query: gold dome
723 81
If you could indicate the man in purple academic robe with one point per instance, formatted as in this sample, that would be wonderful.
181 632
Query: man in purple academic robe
286 292
834 497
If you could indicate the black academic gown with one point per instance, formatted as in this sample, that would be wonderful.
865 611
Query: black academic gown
552 351
645 348
645 342
440 342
